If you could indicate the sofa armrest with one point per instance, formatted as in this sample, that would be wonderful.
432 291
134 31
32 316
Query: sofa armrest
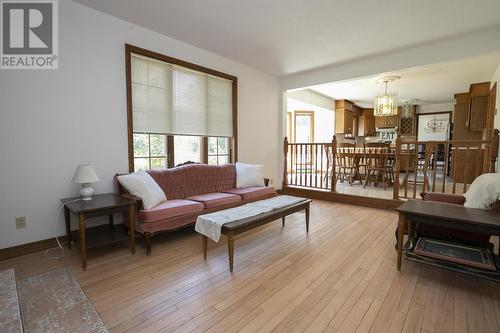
140 206
456 199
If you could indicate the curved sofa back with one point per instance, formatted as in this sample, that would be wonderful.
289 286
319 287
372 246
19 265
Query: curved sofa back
195 179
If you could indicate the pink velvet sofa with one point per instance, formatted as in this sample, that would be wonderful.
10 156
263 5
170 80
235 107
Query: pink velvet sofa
192 190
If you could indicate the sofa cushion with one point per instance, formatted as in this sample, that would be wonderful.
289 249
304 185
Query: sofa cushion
170 208
253 193
143 186
483 192
215 199
248 175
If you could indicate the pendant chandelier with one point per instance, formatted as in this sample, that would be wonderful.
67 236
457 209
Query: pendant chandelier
386 104
434 126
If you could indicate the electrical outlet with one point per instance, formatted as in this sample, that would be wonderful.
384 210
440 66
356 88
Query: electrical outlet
21 222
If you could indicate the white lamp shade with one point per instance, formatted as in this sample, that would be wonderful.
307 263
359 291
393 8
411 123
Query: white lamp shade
85 174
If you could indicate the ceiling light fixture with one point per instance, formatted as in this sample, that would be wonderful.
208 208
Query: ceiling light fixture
386 104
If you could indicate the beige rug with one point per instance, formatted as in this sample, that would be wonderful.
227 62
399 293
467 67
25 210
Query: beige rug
55 302
10 316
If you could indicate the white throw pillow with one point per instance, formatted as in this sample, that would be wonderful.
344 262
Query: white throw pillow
142 185
249 175
483 191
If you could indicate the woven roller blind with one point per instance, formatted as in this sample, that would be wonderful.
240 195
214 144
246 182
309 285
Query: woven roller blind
170 99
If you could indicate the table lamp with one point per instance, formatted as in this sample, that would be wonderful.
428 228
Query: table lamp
85 175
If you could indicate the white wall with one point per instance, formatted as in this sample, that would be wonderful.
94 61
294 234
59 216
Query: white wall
51 121
431 108
496 79
311 97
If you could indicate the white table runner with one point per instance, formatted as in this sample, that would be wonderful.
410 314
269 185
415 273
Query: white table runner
211 224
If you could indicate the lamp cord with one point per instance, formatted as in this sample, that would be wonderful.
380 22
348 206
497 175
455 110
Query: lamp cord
59 245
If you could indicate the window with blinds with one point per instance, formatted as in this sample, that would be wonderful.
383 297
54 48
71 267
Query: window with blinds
178 112
171 99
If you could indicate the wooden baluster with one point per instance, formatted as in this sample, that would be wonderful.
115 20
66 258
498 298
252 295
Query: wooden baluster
434 162
427 157
296 164
454 170
495 143
466 168
445 170
301 166
321 181
395 186
291 163
407 171
479 172
303 163
415 164
306 164
316 165
334 173
285 163
312 164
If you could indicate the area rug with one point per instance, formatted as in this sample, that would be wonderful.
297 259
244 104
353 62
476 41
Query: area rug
55 302
10 316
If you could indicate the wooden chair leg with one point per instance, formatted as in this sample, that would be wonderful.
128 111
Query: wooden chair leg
367 179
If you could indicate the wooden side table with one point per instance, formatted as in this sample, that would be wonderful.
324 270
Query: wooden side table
101 204
447 216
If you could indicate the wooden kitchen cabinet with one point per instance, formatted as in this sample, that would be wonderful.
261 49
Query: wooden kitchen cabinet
477 119
344 118
478 113
461 115
386 121
344 121
366 123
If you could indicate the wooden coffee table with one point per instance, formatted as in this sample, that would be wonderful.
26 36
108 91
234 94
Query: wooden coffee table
237 227
447 216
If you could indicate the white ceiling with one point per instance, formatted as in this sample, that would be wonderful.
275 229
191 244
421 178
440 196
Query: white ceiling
428 84
283 37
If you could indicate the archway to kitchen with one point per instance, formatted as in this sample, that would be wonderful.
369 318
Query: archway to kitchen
394 135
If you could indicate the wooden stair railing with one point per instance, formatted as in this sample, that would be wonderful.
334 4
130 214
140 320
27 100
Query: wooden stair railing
309 165
427 166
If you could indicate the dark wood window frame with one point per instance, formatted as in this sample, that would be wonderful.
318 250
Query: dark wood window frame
131 49
150 156
217 153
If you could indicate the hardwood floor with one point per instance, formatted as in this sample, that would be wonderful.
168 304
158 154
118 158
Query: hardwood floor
340 278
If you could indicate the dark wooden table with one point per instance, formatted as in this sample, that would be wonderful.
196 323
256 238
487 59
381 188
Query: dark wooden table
101 204
237 227
447 216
